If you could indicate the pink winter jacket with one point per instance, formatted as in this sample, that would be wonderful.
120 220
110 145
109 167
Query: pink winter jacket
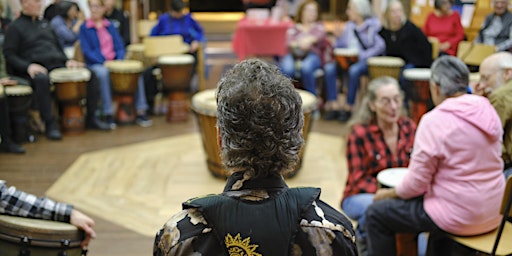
456 164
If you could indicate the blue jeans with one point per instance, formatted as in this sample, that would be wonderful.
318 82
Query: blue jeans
508 172
355 71
103 75
307 70
354 207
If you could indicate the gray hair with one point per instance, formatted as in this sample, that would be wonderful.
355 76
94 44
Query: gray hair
450 74
260 119
385 22
363 7
365 115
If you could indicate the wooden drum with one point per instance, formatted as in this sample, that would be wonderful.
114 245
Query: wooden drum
346 56
19 100
421 100
124 75
136 52
204 106
177 73
71 89
384 66
25 236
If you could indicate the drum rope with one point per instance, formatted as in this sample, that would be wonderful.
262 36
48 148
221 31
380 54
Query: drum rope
28 241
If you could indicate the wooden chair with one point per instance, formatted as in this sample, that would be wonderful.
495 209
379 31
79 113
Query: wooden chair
144 28
496 242
473 54
435 47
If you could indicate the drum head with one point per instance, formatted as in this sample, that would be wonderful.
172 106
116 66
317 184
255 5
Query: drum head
308 101
63 75
385 61
135 48
391 177
204 103
18 90
346 51
415 74
43 230
124 66
178 59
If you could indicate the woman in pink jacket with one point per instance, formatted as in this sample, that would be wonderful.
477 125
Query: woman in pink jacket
455 182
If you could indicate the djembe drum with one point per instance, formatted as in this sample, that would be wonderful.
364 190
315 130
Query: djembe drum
384 66
177 73
346 56
124 75
136 52
25 236
71 89
406 243
19 100
420 100
204 106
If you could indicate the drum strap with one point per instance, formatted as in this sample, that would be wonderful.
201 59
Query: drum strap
359 39
267 226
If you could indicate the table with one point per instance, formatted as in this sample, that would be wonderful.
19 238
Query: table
253 38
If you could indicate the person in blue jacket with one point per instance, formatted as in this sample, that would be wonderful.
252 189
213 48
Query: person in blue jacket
100 41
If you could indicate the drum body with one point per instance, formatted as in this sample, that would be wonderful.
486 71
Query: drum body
420 100
71 89
19 100
204 106
346 56
25 236
124 75
384 66
177 73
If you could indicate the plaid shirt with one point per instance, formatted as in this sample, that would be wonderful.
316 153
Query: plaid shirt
322 230
18 203
368 154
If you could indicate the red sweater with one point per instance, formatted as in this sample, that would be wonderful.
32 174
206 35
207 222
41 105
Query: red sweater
446 29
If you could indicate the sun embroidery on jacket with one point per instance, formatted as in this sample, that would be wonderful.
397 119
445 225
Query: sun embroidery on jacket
238 247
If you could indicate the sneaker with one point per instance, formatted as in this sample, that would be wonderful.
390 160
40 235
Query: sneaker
344 116
143 121
11 147
52 132
109 119
331 115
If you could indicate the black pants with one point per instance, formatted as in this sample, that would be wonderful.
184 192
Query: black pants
5 122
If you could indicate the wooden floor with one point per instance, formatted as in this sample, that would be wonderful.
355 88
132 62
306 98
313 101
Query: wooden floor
45 161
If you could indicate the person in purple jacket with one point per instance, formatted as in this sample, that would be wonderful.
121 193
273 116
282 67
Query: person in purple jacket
455 181
362 33
100 41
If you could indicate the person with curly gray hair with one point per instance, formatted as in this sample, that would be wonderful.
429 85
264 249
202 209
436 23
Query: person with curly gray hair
446 176
259 124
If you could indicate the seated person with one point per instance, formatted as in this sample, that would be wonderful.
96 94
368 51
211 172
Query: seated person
176 22
444 24
51 10
405 40
454 184
260 123
120 19
309 51
31 50
100 42
18 203
497 27
361 33
66 25
380 138
496 84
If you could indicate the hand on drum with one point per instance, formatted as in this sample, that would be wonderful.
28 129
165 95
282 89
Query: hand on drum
8 81
74 64
385 193
85 223
34 69
194 45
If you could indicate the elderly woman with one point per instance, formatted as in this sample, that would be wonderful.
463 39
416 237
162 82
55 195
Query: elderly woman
260 136
310 50
110 47
361 33
444 24
380 138
454 184
405 40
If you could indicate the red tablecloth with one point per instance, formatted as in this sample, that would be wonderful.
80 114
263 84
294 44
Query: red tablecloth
260 38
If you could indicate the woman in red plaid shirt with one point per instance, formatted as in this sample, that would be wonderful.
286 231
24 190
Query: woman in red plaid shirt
381 137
